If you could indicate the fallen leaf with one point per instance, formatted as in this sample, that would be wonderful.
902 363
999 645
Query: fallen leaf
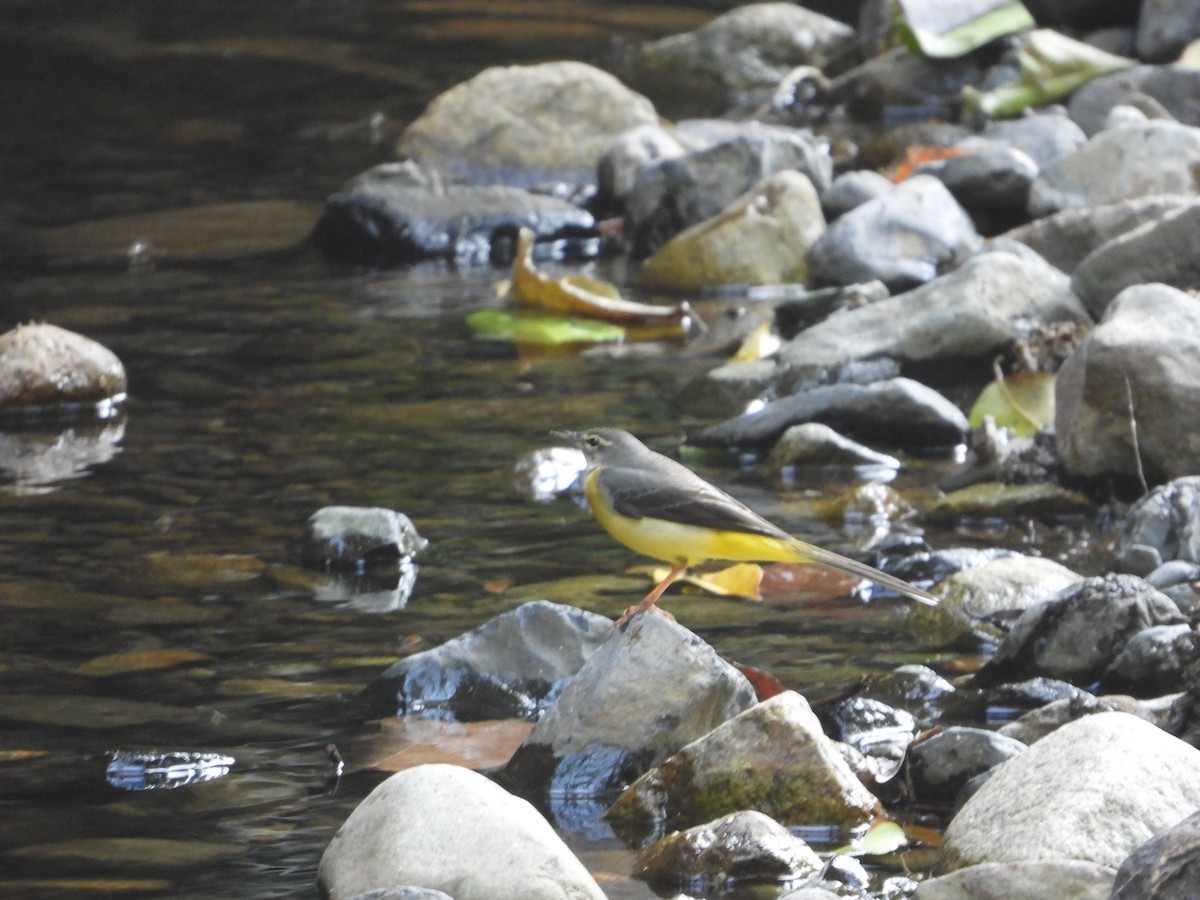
765 684
1022 402
883 837
783 581
580 295
740 580
498 585
541 331
405 741
919 154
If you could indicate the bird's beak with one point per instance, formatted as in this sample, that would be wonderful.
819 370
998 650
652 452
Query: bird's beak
572 436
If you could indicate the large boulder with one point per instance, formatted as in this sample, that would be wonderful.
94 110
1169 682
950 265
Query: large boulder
1127 401
410 831
1093 790
525 125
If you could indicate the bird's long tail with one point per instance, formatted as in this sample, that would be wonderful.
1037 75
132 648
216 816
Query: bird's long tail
810 553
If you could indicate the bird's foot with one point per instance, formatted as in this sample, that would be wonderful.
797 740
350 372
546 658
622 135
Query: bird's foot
641 607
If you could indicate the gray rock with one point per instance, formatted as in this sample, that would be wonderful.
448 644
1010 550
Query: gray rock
1038 723
1044 136
509 852
879 732
1157 251
1066 879
814 444
969 599
1065 238
940 766
1111 166
1165 27
851 190
403 893
1152 662
513 666
969 314
1166 867
525 125
1078 633
1128 396
678 192
903 238
899 411
44 367
651 688
773 758
350 537
636 149
990 180
1161 527
737 59
1177 89
813 893
739 849
914 688
1093 790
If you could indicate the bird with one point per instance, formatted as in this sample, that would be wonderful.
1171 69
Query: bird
662 509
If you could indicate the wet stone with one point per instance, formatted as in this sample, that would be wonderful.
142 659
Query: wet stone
353 537
1161 528
1036 724
742 848
915 689
49 369
1152 662
940 766
1026 880
1166 866
514 666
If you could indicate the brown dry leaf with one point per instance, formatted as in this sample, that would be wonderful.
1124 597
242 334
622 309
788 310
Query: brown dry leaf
918 154
404 742
764 683
578 295
783 581
138 661
21 755
740 580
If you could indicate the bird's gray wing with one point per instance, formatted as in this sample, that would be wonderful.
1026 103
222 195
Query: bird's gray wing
682 496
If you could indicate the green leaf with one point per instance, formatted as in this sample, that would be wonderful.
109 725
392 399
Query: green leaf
1052 66
882 838
502 325
943 30
1022 403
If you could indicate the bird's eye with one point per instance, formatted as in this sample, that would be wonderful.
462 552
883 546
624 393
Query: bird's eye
592 440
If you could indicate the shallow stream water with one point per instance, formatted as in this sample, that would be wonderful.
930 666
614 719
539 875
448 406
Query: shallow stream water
262 391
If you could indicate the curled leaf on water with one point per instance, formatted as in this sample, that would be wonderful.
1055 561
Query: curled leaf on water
523 328
948 30
1022 402
578 295
882 838
1052 66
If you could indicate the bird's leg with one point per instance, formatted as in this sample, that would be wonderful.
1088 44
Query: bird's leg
651 598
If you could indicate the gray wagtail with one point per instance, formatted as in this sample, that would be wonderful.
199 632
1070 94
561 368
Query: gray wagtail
663 510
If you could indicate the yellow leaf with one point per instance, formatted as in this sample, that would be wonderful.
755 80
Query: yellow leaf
1022 402
582 296
759 344
740 580
138 661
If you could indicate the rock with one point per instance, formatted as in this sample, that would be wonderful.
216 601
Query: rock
903 238
509 850
965 315
673 194
403 893
651 688
203 235
1162 526
376 222
1175 88
763 237
914 688
737 59
941 765
1167 866
967 600
634 150
900 410
513 666
1029 880
1065 238
1111 167
814 444
812 893
878 731
1152 663
1165 27
1093 791
1157 251
1078 633
851 190
1044 136
525 125
1005 701
45 369
1038 723
1137 364
990 180
773 758
742 848
351 537
992 501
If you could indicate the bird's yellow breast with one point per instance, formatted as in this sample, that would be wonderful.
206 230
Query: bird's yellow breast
675 542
